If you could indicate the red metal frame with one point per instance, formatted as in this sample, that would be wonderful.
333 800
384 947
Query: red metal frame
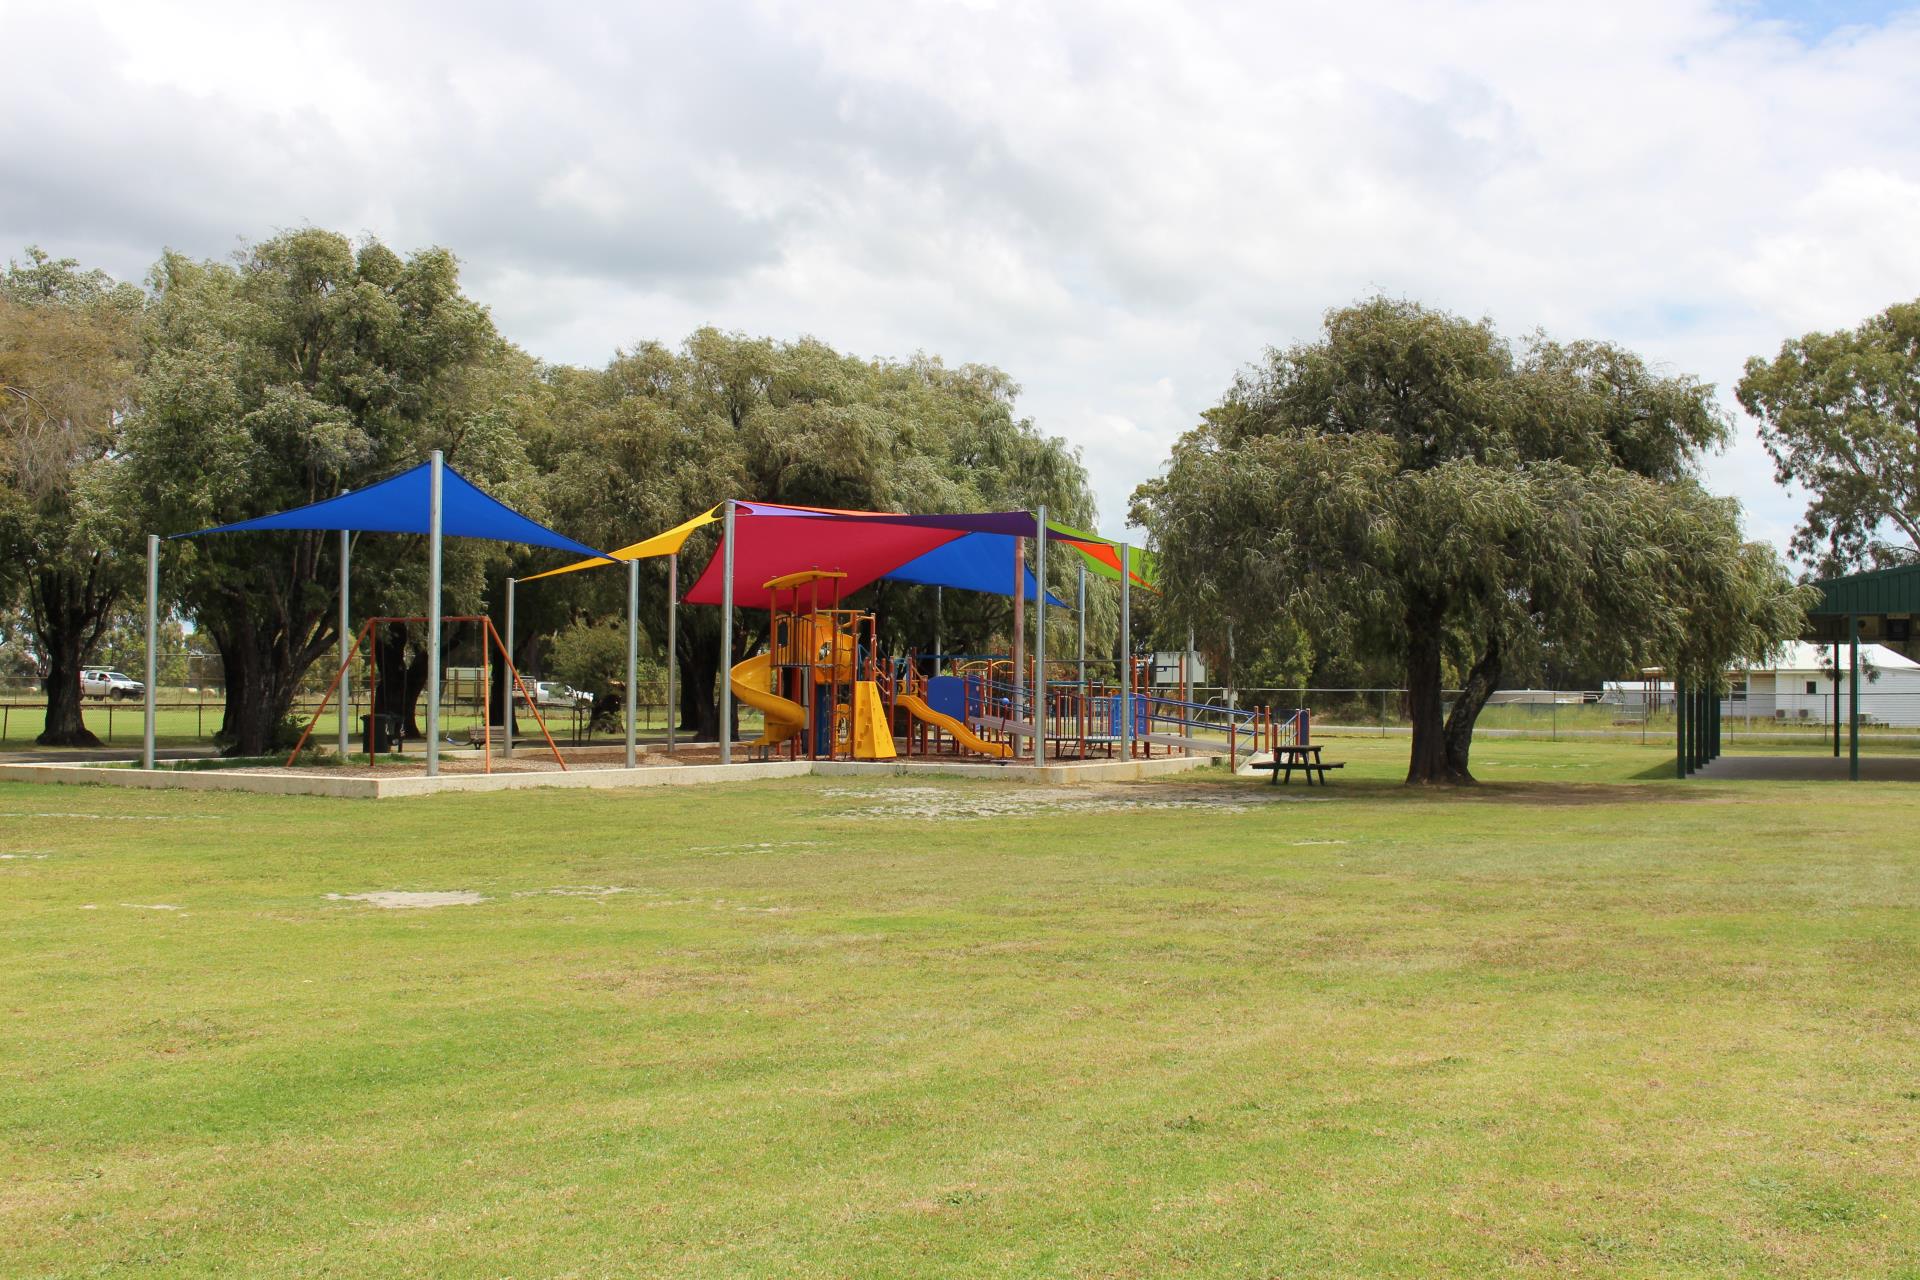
486 702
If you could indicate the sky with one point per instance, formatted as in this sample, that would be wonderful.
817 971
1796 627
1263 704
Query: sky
1120 204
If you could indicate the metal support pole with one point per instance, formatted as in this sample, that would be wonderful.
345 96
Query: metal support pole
1679 727
726 643
1231 700
1040 636
1019 635
346 647
1853 698
1187 668
153 637
1836 702
633 658
673 648
506 703
436 473
938 608
1082 610
1126 652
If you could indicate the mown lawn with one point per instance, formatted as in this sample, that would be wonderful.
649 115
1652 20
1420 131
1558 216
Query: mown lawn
1584 1020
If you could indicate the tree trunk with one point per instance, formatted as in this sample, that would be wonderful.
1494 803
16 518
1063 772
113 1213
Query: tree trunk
1428 761
699 709
65 727
263 673
68 611
1481 682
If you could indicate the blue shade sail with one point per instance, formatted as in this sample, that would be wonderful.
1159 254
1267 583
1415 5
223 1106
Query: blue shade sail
400 505
976 562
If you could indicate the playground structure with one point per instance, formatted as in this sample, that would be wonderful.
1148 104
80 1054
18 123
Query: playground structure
824 690
816 687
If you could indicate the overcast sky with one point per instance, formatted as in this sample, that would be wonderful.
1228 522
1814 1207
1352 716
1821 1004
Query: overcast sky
1118 204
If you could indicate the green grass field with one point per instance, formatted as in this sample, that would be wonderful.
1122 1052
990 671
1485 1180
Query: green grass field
1581 1021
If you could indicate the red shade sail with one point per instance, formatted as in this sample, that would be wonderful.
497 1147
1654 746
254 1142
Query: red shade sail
767 547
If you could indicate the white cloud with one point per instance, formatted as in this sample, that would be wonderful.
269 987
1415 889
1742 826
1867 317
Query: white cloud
1119 204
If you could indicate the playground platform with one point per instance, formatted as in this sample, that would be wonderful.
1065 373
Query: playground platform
395 781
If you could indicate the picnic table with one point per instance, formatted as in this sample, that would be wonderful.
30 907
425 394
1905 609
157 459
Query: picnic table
1304 756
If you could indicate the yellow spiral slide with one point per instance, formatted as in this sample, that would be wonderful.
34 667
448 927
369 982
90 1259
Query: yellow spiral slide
752 684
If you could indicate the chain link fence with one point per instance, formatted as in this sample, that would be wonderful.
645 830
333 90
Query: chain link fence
190 701
1806 715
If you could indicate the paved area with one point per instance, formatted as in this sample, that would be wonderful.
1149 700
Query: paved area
1811 769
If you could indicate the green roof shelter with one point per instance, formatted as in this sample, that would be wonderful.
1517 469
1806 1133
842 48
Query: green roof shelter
1877 607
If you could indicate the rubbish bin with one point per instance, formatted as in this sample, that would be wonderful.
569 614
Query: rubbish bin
388 735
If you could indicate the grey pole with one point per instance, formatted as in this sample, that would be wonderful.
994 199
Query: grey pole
1019 635
673 647
1083 628
153 636
1126 652
1040 636
633 655
1191 693
346 647
435 473
726 643
1233 701
506 709
1853 698
938 602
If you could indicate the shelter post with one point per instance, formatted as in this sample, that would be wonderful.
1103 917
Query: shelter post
1019 636
346 646
1081 610
1189 689
673 647
1126 651
1679 726
153 636
938 603
506 703
1853 697
633 654
1039 636
436 476
726 643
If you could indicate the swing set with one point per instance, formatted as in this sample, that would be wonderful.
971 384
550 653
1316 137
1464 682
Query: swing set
489 638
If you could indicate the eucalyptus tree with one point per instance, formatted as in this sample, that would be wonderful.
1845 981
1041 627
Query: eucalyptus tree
69 345
1409 485
1840 415
307 366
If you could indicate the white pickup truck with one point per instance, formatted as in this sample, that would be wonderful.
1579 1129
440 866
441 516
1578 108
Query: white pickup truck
99 682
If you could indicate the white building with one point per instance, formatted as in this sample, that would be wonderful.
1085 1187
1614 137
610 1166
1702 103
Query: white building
1799 686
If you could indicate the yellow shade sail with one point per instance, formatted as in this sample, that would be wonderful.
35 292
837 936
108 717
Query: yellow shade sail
660 544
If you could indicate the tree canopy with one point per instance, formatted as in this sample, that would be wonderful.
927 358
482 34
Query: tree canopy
307 367
661 434
1840 415
69 345
1410 485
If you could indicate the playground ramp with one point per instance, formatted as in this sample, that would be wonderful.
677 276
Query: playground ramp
959 732
751 681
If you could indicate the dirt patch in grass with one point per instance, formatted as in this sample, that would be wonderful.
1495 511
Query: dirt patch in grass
959 804
395 900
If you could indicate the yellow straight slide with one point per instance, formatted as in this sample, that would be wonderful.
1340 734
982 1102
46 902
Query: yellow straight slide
752 682
961 734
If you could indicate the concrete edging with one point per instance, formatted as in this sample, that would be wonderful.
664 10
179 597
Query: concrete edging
376 788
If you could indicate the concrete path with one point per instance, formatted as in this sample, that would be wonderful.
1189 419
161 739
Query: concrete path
1810 769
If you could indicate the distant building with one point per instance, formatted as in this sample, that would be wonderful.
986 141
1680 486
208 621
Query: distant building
1799 685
